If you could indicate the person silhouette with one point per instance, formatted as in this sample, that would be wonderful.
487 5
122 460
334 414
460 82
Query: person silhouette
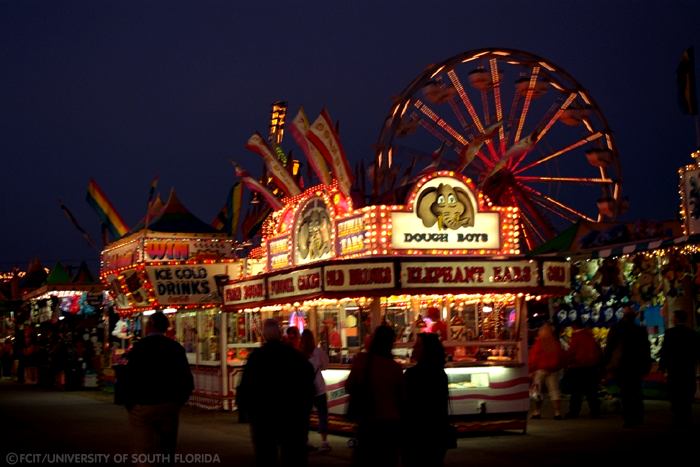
158 383
376 388
545 362
680 353
427 397
278 429
628 359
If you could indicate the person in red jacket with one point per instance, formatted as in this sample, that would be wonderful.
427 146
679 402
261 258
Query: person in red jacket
545 361
583 370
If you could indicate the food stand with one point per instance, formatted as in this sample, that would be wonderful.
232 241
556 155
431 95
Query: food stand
176 265
446 261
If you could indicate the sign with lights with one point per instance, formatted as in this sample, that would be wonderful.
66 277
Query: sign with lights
187 249
244 292
556 274
120 257
351 235
302 282
690 197
469 274
443 213
278 253
185 284
362 276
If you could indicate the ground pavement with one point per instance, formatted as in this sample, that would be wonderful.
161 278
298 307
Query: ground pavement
40 427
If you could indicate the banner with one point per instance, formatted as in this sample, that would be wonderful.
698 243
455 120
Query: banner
105 211
299 128
322 134
253 185
281 176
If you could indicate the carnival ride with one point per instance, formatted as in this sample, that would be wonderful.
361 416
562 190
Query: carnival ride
523 128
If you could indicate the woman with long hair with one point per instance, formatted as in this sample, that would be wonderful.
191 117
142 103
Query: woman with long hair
375 385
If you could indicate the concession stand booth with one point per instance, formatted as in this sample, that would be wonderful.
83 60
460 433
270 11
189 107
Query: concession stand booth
446 261
177 264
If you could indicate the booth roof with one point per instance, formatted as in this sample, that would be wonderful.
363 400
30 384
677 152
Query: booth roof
84 276
58 275
174 217
598 240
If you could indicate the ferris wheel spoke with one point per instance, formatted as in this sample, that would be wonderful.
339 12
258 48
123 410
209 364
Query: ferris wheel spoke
528 242
465 100
526 104
584 180
431 128
571 147
529 224
560 213
554 202
458 113
485 107
496 80
556 116
529 208
435 118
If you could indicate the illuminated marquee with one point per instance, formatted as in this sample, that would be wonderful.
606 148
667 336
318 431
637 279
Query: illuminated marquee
363 276
185 283
304 281
351 236
444 214
244 292
469 274
278 253
187 249
556 273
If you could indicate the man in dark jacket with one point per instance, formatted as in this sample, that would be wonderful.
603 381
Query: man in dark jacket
158 383
680 353
275 396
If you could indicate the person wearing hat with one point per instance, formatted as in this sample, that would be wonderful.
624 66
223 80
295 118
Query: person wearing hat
628 359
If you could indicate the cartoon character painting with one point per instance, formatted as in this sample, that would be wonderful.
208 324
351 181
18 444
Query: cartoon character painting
449 207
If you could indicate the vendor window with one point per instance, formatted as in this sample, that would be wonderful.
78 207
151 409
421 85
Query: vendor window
209 326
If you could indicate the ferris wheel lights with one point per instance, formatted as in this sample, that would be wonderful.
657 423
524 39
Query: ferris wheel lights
584 97
556 86
547 66
502 53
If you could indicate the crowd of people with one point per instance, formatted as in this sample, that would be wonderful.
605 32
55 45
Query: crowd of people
626 360
52 355
381 400
401 417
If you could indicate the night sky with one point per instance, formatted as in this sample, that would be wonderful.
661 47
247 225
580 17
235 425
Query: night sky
123 91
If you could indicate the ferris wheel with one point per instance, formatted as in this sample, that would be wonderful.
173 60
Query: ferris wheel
522 128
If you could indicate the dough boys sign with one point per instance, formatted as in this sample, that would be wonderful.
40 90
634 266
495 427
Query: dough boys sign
443 213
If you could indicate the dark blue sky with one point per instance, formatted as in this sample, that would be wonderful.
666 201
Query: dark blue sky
122 91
